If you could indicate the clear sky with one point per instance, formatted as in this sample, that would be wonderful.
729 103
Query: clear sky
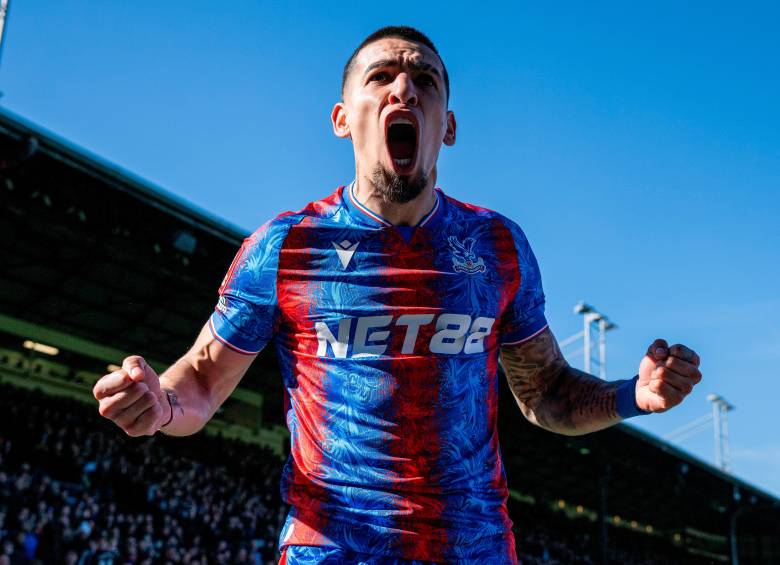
638 146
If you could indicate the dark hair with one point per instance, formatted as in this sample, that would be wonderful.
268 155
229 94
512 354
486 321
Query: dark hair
401 32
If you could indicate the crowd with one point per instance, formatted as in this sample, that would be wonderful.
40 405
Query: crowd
75 490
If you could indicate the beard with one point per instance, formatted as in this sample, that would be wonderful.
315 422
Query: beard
395 188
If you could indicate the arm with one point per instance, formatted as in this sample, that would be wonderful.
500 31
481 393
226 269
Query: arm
187 395
202 380
553 395
135 397
559 398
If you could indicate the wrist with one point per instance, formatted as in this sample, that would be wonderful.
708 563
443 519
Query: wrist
626 400
170 396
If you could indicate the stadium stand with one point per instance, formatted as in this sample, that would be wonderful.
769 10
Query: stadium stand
96 264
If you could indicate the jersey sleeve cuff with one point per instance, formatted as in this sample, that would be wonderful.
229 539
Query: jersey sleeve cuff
537 324
626 400
224 333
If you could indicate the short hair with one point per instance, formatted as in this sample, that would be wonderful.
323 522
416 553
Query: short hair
401 32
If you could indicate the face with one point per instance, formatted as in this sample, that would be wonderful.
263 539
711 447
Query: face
395 112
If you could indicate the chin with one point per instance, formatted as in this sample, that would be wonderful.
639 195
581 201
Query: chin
397 188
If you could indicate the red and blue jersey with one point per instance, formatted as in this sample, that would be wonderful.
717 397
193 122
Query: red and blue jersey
388 341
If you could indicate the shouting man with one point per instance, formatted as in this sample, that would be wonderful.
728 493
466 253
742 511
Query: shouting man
389 304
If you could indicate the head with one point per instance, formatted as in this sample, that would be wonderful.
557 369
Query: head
395 91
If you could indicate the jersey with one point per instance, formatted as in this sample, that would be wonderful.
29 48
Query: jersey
388 341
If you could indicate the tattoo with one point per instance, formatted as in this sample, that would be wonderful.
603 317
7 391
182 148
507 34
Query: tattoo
554 395
176 406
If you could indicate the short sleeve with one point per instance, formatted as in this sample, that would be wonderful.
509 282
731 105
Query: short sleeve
523 317
246 315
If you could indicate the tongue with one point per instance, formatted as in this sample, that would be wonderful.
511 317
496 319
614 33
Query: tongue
401 148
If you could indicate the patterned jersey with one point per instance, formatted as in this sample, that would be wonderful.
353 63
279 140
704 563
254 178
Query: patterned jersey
388 342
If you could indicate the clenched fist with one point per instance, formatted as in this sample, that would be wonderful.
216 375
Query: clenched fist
131 398
666 376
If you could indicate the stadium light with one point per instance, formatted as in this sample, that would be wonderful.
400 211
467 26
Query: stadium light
720 408
603 324
40 347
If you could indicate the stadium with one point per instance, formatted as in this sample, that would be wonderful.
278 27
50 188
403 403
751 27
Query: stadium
98 264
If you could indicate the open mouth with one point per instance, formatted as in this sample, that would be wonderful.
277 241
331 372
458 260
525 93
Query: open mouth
402 142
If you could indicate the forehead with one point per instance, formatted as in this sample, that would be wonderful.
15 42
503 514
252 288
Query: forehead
398 50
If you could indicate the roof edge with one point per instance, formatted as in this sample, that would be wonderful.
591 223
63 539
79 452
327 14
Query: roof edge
688 457
121 179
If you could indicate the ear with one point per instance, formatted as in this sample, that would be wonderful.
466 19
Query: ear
338 118
449 136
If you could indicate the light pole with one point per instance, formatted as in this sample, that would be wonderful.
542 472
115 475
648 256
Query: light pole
720 408
591 316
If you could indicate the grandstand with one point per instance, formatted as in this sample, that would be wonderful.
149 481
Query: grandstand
97 264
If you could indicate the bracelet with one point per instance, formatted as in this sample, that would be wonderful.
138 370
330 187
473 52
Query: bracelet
171 396
626 400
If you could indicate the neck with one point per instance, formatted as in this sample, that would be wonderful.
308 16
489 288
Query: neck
406 214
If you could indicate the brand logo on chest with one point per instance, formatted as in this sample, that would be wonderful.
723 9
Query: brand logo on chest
454 334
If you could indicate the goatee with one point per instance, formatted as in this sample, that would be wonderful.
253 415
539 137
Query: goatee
396 188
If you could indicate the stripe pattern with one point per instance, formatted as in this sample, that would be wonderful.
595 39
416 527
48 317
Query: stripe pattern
390 369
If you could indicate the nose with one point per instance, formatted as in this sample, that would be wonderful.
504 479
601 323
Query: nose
403 91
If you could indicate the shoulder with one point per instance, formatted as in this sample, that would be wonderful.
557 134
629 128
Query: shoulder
464 211
272 233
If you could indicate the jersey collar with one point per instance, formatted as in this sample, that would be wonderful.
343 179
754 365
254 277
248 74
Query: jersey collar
362 214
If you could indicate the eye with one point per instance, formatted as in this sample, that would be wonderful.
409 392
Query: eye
381 76
425 80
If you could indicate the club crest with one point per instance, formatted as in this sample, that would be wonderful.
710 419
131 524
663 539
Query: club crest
464 260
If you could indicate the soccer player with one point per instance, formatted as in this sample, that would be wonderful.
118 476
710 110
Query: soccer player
389 304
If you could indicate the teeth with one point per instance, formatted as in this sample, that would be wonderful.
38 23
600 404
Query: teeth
402 162
401 121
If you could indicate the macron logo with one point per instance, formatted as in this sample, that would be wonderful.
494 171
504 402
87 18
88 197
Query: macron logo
345 250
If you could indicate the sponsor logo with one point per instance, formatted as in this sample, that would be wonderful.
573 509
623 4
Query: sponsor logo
222 304
464 260
345 251
455 333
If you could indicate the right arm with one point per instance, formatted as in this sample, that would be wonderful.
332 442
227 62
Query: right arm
245 317
135 399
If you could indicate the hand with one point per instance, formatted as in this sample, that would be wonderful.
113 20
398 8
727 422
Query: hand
131 398
666 376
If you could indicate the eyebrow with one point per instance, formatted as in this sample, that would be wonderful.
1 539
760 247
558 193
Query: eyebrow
396 63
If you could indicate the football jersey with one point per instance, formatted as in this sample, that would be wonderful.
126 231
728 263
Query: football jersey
388 341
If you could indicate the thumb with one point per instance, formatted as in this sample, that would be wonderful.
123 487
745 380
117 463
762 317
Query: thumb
138 370
658 350
656 353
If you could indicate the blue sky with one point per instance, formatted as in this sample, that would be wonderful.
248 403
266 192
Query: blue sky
638 146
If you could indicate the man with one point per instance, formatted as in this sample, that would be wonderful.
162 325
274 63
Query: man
389 303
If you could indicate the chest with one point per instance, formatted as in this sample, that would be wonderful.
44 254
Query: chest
372 292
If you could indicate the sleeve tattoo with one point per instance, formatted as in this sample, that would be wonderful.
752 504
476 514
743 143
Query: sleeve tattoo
553 395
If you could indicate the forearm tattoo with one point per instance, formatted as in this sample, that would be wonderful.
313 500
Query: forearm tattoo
554 395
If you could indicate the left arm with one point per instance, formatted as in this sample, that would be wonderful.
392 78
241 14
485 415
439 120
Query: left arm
559 398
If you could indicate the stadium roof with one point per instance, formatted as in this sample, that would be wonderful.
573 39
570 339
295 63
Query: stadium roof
102 264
